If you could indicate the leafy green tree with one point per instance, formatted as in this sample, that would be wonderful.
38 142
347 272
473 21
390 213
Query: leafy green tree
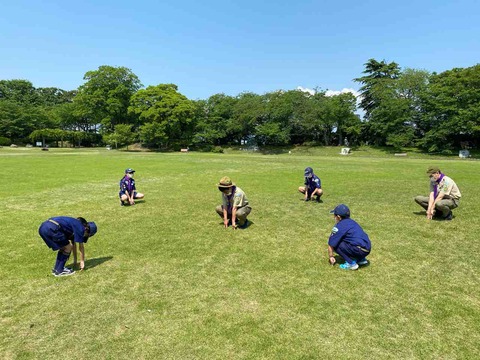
105 97
213 118
18 121
452 109
18 91
390 100
52 96
247 118
378 76
171 112
123 135
342 118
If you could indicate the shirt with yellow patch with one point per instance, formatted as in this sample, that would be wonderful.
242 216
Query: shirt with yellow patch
447 187
238 199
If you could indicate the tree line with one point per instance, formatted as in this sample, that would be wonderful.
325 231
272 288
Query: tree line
402 108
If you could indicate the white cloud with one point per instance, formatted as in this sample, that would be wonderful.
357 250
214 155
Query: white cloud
307 90
343 91
330 92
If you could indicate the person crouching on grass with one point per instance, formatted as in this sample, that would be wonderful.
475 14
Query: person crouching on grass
128 192
348 240
313 186
235 207
443 198
62 233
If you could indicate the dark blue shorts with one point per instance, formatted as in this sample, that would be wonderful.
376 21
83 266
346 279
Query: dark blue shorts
53 235
123 193
350 252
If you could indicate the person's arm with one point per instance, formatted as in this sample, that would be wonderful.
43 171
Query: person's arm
331 258
317 186
234 217
225 217
432 202
74 251
431 206
81 247
129 197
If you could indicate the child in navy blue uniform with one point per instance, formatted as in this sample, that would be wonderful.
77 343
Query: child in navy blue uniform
62 233
128 192
313 186
348 240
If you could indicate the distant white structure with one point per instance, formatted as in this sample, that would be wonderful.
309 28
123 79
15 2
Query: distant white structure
463 154
345 151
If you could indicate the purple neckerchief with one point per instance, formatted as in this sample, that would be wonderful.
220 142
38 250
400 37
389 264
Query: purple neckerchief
230 198
435 188
128 181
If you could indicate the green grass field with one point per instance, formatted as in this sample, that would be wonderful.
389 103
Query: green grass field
165 280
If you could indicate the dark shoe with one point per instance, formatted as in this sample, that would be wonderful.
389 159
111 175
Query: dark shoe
307 199
121 203
318 200
65 272
363 261
449 216
244 226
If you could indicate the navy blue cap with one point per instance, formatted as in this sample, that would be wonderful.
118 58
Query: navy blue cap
308 171
341 210
93 228
129 171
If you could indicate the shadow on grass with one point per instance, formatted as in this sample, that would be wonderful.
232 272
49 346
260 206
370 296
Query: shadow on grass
435 218
137 201
339 260
246 226
91 263
315 201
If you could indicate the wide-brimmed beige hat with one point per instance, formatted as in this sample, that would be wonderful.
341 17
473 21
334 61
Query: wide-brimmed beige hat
225 182
432 170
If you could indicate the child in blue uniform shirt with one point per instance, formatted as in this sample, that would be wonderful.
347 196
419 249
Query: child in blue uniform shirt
348 240
128 192
62 233
313 186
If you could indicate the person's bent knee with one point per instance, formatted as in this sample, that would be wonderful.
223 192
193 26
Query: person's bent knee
139 196
301 189
67 249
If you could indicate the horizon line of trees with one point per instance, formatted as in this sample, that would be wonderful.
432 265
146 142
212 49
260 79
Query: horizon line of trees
403 108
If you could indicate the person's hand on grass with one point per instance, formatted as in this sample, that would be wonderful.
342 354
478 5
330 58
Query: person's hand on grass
332 260
225 223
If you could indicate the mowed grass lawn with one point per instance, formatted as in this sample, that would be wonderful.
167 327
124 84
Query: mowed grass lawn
165 280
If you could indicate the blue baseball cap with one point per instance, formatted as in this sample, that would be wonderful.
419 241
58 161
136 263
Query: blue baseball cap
129 171
308 171
93 228
341 210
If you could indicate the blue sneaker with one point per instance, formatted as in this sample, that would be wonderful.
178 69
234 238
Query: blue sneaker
364 261
347 266
65 272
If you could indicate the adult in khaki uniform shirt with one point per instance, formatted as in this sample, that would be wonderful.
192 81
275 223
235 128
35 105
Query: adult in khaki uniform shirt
444 195
235 207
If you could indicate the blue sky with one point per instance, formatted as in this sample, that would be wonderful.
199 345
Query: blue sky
208 47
